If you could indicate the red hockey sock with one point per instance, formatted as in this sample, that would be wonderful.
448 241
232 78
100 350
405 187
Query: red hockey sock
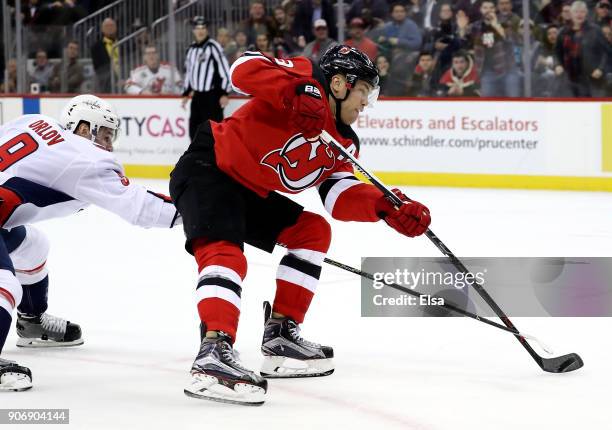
298 274
222 267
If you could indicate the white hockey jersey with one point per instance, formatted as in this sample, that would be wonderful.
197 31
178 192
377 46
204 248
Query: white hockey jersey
144 80
36 148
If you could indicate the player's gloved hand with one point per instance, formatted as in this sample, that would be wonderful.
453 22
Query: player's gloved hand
307 107
410 219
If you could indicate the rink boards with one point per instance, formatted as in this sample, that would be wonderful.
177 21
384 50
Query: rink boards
542 144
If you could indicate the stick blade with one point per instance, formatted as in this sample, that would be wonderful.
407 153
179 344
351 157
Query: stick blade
563 364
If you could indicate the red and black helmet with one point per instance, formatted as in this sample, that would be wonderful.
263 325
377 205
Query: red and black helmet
350 62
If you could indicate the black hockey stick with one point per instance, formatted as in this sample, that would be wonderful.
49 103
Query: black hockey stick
562 364
447 305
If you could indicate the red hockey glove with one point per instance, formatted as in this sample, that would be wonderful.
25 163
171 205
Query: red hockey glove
307 107
411 219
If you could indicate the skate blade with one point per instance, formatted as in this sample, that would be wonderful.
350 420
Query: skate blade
15 382
285 367
24 342
207 387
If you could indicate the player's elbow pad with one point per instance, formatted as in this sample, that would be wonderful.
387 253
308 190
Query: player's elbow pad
346 198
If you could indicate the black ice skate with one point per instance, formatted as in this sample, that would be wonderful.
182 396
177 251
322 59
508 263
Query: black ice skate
217 375
14 377
43 331
287 355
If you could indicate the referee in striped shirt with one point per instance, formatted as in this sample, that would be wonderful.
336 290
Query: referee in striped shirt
206 78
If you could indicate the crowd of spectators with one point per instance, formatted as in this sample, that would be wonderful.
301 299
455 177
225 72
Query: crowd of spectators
423 48
449 48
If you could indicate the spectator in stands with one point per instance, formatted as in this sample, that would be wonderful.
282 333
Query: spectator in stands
257 23
154 77
41 74
461 80
70 11
307 13
105 59
227 43
495 61
283 40
280 16
551 13
374 26
37 12
240 39
401 68
446 39
463 22
556 12
545 80
383 65
472 8
607 32
322 42
602 13
422 83
359 40
31 11
37 16
290 7
507 18
522 56
368 8
262 44
566 15
400 32
10 83
71 71
426 13
582 52
223 37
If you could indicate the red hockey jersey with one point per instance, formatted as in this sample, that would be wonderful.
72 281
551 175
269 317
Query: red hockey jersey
259 148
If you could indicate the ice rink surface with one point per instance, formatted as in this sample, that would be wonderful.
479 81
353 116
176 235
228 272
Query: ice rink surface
132 291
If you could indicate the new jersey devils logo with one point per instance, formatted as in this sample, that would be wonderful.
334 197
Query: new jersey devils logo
301 162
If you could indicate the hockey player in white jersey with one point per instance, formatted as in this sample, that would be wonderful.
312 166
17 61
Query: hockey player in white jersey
51 169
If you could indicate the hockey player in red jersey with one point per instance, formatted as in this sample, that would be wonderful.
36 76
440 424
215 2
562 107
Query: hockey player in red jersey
226 187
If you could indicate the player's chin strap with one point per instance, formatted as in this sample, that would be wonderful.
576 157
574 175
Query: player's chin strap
339 102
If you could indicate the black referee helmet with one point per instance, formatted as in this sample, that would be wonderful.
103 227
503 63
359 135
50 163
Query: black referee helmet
198 21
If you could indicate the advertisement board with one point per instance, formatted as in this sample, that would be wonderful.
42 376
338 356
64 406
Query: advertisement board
535 144
481 143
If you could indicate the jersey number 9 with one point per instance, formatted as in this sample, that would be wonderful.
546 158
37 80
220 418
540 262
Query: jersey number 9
15 149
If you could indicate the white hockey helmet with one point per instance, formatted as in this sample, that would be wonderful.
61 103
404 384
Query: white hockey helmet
97 113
